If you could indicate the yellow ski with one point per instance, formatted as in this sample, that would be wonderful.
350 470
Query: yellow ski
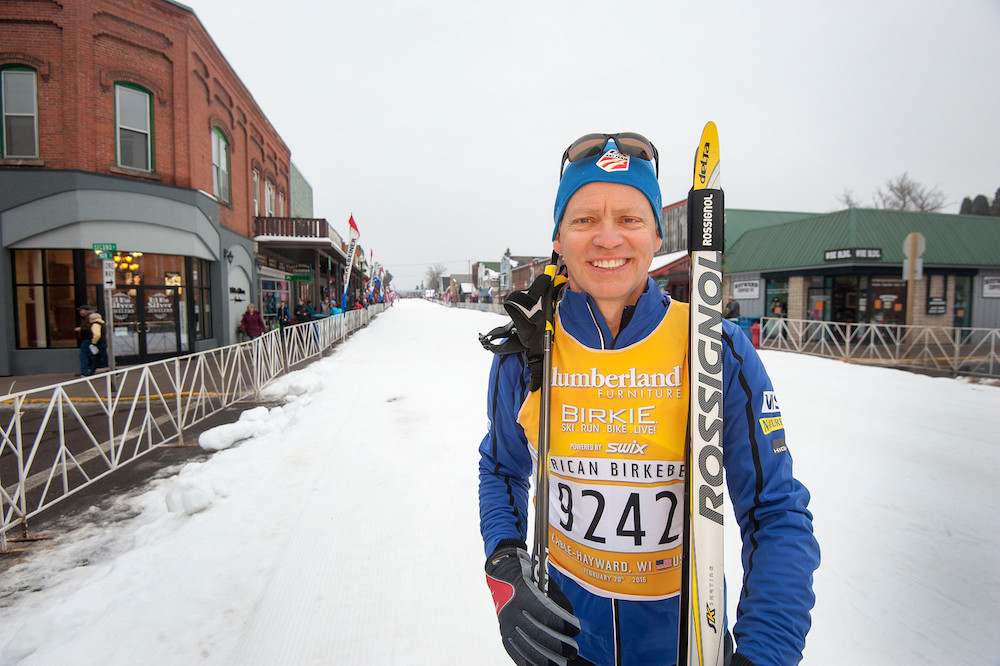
702 634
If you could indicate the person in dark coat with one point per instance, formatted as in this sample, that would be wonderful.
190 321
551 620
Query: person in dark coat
252 323
283 317
83 338
301 312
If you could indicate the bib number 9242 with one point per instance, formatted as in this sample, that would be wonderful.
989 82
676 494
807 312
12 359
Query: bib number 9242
614 518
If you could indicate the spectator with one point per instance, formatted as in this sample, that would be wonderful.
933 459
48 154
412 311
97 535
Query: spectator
98 347
283 318
301 312
83 338
252 323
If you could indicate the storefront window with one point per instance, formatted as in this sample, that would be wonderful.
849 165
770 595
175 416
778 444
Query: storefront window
30 313
819 298
844 299
45 298
887 300
28 266
62 315
201 292
963 314
777 298
150 303
272 293
141 268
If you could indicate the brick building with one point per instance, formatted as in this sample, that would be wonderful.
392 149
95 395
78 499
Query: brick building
124 125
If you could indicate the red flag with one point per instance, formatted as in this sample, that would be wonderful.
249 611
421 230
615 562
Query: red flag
354 229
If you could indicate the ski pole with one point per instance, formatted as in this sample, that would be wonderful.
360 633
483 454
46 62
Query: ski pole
541 543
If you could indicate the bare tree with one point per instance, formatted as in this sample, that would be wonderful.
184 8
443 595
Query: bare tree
904 193
432 276
848 200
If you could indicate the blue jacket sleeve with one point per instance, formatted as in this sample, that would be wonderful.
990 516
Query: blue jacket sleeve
779 550
505 462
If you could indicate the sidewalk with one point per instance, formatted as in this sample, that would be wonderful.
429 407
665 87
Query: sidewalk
17 383
165 459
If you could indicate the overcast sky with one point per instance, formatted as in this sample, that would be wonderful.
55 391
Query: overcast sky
440 125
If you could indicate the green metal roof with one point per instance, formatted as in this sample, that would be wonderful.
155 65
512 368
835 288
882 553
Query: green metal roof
739 221
952 240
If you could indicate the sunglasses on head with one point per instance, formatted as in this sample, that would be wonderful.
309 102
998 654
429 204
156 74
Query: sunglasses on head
629 143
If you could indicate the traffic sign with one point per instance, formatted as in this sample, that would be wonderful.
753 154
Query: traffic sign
109 274
105 247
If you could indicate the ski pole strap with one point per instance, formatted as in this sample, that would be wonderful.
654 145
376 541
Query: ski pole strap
508 340
532 313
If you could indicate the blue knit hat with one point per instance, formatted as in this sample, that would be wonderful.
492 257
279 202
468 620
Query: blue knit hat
610 167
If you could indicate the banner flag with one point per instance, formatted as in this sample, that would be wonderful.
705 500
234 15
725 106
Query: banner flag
355 235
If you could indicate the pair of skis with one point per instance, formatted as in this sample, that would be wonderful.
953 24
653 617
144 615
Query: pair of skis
701 637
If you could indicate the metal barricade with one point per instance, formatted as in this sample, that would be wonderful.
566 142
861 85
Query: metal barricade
58 439
953 351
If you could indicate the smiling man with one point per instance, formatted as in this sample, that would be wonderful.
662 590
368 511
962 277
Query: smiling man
619 406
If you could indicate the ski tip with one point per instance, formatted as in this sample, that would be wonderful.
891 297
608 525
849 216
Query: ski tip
706 159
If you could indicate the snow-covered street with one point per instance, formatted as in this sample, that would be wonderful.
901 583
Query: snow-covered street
343 528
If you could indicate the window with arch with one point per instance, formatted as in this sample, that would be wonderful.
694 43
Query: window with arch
220 165
269 199
256 193
134 126
19 102
281 204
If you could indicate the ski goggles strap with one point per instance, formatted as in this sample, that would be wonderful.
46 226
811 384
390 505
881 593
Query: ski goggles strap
629 143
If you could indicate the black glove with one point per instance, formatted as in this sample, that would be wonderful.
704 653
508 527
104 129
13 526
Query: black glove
536 629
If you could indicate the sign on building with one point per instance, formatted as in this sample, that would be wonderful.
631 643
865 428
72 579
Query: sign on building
746 289
991 286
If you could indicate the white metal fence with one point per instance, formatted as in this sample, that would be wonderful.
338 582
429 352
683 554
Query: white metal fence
58 439
954 351
496 307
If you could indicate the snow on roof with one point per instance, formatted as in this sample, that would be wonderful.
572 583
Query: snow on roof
665 259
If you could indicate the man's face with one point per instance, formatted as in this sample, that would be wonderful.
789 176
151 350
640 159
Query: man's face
607 238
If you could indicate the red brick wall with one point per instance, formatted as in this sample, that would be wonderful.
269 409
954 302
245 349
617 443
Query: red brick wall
80 49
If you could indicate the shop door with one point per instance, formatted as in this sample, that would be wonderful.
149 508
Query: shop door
146 323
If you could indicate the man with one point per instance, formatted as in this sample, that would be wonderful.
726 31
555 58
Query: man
732 310
302 312
83 338
283 317
619 403
98 347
